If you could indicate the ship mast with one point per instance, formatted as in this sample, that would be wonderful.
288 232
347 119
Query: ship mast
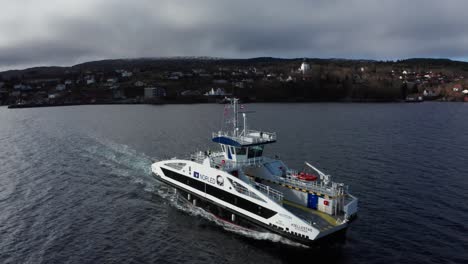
231 118
235 121
232 122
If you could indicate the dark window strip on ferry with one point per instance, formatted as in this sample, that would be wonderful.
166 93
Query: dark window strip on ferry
221 194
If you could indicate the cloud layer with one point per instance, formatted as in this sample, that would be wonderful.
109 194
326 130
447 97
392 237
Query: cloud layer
53 32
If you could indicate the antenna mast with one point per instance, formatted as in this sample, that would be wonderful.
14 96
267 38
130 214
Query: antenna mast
233 122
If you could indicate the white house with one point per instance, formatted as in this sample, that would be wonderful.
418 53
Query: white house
127 74
217 92
114 86
22 87
153 92
180 74
238 84
139 84
198 71
60 87
305 67
53 96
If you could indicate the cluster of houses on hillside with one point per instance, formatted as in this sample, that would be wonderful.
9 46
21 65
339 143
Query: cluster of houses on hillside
134 86
425 77
71 88
238 77
428 85
123 85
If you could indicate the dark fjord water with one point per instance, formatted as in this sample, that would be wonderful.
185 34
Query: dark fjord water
76 185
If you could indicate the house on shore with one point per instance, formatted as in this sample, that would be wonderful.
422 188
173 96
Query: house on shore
154 92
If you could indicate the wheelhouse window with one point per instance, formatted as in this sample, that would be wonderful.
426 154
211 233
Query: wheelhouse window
241 151
255 151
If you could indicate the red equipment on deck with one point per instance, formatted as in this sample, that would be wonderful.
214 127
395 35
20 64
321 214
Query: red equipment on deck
306 177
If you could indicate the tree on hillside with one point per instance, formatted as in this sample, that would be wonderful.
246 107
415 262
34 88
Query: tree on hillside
415 88
404 90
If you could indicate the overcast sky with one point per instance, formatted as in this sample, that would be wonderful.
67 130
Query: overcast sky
66 32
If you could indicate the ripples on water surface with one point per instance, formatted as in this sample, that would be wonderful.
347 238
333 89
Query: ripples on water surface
76 184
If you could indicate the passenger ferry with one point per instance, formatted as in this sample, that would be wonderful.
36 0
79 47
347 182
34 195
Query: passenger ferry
240 185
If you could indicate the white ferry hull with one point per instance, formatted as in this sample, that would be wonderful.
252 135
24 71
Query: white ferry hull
266 220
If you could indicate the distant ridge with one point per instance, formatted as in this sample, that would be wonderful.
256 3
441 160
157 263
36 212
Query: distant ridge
175 62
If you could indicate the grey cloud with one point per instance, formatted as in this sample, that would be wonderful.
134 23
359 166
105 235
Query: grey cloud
143 28
47 52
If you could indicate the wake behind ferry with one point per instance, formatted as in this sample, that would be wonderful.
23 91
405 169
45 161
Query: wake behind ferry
240 185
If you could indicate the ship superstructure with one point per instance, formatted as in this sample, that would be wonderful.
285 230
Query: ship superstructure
241 185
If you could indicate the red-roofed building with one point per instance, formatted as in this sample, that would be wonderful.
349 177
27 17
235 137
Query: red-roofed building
457 87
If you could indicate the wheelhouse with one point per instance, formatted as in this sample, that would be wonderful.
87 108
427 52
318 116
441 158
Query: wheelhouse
233 150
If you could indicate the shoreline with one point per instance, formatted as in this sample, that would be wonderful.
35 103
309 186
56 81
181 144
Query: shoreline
20 106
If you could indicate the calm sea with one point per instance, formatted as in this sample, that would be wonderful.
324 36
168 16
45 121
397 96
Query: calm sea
76 184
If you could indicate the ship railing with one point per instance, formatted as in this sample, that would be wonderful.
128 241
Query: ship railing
198 157
292 172
220 163
217 155
308 221
267 190
248 137
315 186
251 161
270 192
244 190
261 135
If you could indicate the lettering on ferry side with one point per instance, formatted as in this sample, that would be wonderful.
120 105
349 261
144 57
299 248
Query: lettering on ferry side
279 222
204 177
285 216
302 228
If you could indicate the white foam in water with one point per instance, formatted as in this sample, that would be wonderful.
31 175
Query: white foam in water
122 161
121 154
183 205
